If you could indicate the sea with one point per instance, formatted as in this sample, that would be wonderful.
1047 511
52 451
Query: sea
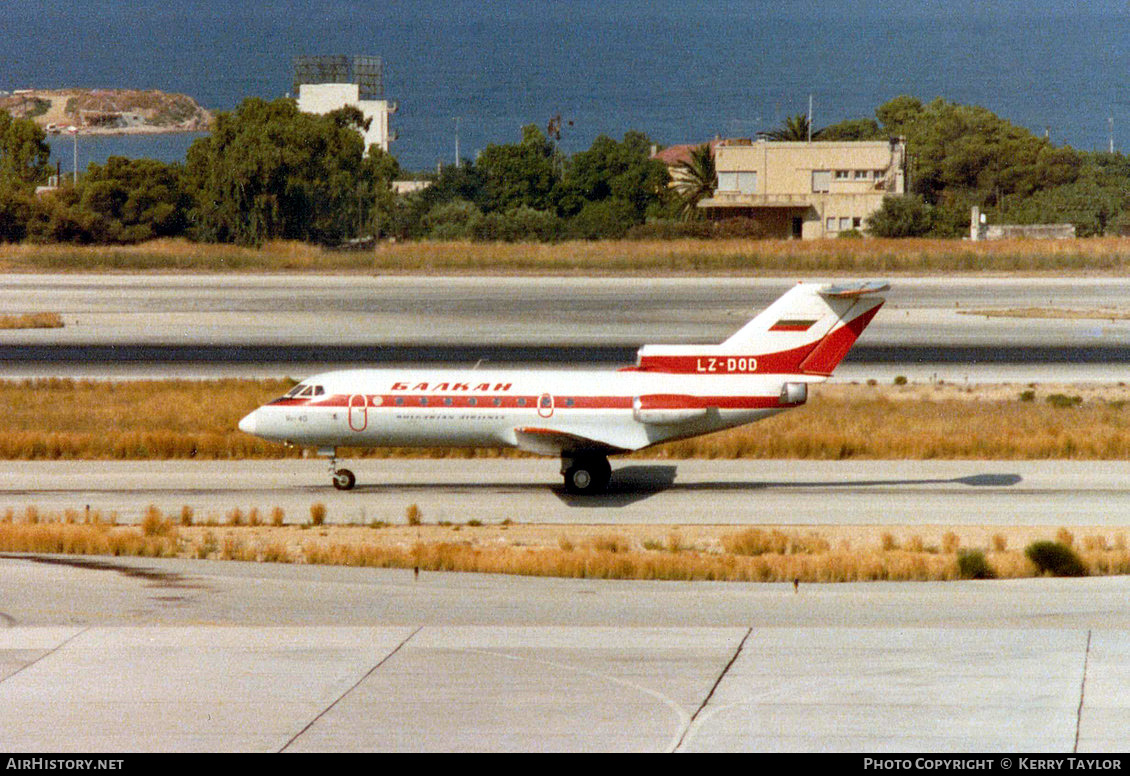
469 73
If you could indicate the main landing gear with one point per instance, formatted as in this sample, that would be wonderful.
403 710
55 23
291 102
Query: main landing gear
343 479
585 473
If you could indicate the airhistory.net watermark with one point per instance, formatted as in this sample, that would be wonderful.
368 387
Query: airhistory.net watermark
61 764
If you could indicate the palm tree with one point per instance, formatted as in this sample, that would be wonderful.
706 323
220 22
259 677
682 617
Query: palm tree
695 180
795 128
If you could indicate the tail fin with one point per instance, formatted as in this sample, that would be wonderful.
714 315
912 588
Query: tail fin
808 331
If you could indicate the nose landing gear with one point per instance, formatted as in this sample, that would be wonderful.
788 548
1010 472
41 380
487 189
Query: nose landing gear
343 479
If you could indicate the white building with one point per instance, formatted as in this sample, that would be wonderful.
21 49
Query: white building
323 98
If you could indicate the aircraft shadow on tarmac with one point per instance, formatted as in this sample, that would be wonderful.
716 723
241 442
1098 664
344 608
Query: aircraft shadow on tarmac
631 484
636 483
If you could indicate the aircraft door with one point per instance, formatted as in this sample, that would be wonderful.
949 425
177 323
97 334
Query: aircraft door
358 412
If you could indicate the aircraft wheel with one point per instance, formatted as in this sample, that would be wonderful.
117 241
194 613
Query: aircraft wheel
344 479
587 475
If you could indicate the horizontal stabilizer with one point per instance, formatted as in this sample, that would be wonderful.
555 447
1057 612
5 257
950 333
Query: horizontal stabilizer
855 289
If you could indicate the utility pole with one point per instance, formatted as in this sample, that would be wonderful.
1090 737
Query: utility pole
74 134
810 118
457 162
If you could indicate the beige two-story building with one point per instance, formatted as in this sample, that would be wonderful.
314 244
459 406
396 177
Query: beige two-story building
806 190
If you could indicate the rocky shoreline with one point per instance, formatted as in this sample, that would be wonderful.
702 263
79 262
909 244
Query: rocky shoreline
107 111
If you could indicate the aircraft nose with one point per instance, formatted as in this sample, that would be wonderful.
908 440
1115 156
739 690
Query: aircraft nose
247 425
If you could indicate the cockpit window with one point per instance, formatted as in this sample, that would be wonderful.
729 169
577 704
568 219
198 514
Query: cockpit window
302 391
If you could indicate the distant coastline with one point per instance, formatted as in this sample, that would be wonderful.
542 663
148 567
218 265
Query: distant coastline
107 111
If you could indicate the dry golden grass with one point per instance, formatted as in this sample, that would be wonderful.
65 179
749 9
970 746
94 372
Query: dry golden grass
180 419
716 553
605 257
1051 313
32 321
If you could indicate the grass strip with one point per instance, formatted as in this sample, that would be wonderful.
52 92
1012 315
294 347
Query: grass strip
32 321
687 553
603 257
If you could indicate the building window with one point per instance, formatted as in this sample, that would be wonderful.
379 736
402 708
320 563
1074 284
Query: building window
842 175
845 224
862 175
821 181
743 181
830 224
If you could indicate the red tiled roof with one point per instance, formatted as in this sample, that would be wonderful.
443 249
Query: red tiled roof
674 155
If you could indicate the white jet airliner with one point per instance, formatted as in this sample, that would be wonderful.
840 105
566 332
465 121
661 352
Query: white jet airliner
673 392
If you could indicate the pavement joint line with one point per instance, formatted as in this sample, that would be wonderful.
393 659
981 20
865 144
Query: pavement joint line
355 685
709 695
671 703
1082 693
46 655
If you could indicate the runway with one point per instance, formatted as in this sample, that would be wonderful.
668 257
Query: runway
126 326
749 492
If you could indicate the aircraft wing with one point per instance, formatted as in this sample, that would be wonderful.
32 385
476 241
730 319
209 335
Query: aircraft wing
546 441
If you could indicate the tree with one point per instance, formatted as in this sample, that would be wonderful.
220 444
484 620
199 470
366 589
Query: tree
378 171
15 212
269 171
522 174
134 200
853 129
695 179
967 152
793 129
25 157
623 171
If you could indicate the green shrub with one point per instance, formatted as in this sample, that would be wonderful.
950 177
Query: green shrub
1056 559
1063 400
971 564
903 216
606 219
451 220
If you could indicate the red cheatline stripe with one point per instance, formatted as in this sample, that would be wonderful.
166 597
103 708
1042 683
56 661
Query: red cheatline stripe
560 403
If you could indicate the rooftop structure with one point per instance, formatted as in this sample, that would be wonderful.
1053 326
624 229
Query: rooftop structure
325 83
